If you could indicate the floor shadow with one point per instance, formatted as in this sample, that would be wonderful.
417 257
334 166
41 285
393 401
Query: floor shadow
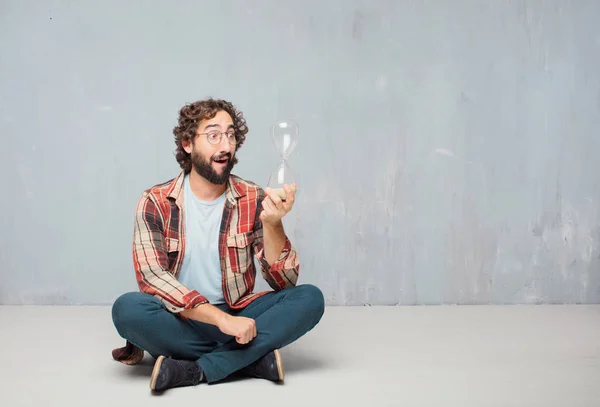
295 360
235 377
142 369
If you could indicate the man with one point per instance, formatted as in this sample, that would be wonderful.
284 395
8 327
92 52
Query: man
195 239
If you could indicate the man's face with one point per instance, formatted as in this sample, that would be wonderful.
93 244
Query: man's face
214 162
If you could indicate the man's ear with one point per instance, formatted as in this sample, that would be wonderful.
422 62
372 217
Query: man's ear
187 146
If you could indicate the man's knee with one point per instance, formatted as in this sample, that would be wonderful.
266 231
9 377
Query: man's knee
314 301
129 308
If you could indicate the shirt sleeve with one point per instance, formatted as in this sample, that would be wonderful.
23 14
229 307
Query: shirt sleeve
284 272
151 261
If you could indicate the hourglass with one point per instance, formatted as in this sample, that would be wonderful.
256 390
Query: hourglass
285 136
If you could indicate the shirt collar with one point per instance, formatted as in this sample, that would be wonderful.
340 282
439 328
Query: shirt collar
235 189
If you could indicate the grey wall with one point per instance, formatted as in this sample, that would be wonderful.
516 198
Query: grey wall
456 145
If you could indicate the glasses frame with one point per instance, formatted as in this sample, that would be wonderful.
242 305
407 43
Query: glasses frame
221 133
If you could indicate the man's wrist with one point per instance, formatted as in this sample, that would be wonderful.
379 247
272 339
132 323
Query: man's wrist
221 319
207 313
276 226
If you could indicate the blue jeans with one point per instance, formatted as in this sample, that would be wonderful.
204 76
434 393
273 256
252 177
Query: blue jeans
281 318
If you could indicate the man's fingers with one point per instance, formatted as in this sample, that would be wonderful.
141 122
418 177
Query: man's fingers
290 196
251 332
269 193
268 204
276 200
273 197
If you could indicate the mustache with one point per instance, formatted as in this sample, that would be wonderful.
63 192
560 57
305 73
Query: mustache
221 157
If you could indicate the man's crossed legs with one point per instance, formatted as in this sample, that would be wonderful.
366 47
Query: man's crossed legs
189 352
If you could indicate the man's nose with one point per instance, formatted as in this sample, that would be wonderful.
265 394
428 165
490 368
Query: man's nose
224 144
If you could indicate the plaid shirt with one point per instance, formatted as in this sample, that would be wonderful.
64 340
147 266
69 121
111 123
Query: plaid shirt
159 247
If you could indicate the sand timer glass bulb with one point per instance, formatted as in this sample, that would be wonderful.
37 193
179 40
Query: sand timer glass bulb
285 136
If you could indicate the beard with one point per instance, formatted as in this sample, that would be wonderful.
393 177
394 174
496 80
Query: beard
205 169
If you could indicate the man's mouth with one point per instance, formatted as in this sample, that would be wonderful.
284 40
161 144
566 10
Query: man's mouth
221 160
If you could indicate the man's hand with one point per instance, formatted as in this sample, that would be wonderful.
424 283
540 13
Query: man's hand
244 329
274 208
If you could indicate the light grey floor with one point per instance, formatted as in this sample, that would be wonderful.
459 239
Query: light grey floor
359 356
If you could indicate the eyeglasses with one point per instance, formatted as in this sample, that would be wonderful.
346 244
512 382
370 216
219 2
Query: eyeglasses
215 136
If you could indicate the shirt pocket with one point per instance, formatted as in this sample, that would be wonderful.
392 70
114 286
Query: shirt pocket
239 250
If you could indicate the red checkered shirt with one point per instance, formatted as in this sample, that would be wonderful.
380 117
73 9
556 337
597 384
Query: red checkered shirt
159 247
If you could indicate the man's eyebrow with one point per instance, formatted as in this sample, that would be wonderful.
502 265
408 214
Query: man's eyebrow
216 125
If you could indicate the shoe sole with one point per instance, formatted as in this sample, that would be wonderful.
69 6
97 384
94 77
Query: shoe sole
155 372
279 364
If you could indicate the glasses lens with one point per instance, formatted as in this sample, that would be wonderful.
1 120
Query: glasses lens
231 137
214 137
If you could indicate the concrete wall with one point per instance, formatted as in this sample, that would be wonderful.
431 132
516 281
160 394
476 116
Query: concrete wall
450 151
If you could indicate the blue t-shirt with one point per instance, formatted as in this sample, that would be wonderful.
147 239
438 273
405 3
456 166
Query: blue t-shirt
201 268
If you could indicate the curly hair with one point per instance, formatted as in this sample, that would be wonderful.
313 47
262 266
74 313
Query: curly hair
190 117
